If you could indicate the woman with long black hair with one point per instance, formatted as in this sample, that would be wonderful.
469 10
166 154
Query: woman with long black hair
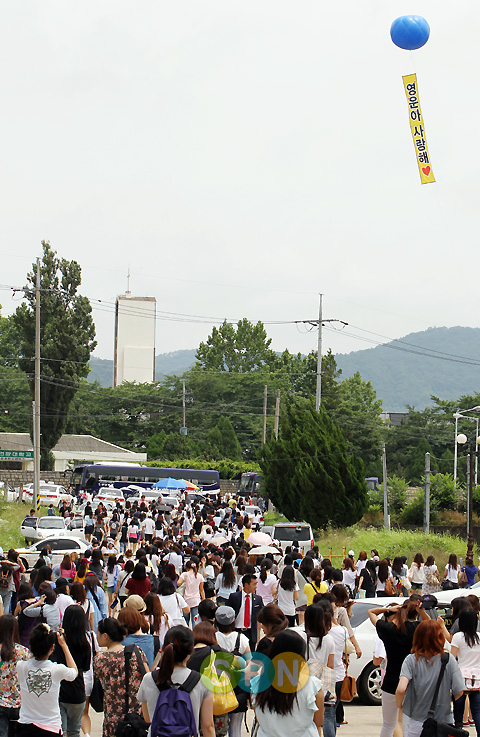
281 714
11 652
96 596
320 654
287 593
226 583
177 649
72 693
267 582
25 624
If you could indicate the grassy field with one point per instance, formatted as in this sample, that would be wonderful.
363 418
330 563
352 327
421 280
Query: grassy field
11 517
395 542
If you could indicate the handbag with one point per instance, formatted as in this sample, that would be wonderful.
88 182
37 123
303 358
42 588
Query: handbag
132 725
224 699
96 697
462 578
390 589
433 728
349 689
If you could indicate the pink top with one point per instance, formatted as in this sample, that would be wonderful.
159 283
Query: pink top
265 589
192 588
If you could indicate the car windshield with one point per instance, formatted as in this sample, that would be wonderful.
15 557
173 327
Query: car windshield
29 522
289 534
360 613
52 523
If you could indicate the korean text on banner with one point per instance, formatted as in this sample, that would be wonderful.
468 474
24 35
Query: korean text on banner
417 128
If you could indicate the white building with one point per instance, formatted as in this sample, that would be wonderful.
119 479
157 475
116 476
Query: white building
134 358
71 450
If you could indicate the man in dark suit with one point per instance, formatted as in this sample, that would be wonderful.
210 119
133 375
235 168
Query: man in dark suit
246 605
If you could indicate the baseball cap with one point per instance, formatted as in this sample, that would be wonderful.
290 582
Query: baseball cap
225 615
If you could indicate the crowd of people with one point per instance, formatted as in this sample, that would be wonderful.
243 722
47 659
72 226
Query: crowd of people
158 596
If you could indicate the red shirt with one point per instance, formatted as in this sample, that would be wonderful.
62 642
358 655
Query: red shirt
140 587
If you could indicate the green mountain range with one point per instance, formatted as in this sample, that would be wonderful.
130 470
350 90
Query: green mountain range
444 362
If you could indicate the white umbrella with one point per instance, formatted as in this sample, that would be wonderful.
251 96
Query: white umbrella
218 540
260 538
264 549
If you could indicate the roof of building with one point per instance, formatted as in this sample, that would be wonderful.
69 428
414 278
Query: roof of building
76 444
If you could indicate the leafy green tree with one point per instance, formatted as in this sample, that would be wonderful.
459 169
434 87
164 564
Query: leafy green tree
358 412
245 347
397 493
443 494
309 473
67 338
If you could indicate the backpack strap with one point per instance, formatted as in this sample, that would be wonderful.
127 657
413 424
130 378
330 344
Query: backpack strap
444 659
189 684
156 645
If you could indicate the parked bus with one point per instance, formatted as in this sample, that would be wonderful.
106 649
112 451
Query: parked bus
251 483
94 477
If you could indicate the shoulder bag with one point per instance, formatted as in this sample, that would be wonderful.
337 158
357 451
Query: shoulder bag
133 724
349 684
433 728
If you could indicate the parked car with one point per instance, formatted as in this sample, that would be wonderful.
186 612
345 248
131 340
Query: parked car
49 494
286 533
252 512
60 546
369 683
111 495
37 528
109 506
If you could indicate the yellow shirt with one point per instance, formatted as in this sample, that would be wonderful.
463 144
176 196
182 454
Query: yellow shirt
310 590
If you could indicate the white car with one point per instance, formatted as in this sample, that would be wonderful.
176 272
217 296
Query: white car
110 495
253 513
49 494
286 533
367 675
34 528
60 546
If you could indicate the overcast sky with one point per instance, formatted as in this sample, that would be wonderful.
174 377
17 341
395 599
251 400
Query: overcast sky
242 157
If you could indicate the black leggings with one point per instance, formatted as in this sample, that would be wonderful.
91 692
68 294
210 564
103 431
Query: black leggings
339 713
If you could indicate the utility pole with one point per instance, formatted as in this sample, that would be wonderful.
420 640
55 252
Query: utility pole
318 397
36 404
426 508
386 515
277 415
183 429
264 430
318 324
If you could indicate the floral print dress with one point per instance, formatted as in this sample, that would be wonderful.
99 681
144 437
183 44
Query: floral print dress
110 669
10 690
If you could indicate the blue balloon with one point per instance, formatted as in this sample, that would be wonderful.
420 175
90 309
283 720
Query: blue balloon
410 32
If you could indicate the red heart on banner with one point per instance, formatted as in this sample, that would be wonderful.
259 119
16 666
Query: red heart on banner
426 170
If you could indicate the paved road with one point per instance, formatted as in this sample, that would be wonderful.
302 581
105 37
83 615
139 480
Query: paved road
363 721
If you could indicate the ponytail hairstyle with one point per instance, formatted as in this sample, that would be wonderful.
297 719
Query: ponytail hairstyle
190 565
112 627
264 569
177 646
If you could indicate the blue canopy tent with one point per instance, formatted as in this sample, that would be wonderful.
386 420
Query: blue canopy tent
170 483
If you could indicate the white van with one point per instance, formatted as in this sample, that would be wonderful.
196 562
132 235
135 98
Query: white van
286 533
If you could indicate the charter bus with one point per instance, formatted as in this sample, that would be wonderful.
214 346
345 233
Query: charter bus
93 477
250 483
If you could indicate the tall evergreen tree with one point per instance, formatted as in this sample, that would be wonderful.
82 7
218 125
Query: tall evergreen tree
309 473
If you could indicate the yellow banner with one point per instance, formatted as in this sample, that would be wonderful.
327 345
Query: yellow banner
418 131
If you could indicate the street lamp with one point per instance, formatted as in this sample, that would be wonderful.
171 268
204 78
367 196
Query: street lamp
462 439
458 415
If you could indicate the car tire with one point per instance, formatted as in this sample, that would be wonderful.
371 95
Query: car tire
369 685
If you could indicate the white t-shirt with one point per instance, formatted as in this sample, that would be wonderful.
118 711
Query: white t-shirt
327 647
173 605
452 573
228 642
297 724
468 657
339 634
349 578
176 560
64 600
286 601
113 576
39 682
148 525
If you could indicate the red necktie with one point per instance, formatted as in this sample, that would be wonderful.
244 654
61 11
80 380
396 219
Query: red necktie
246 621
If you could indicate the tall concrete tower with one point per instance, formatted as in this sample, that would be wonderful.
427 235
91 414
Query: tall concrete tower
134 339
